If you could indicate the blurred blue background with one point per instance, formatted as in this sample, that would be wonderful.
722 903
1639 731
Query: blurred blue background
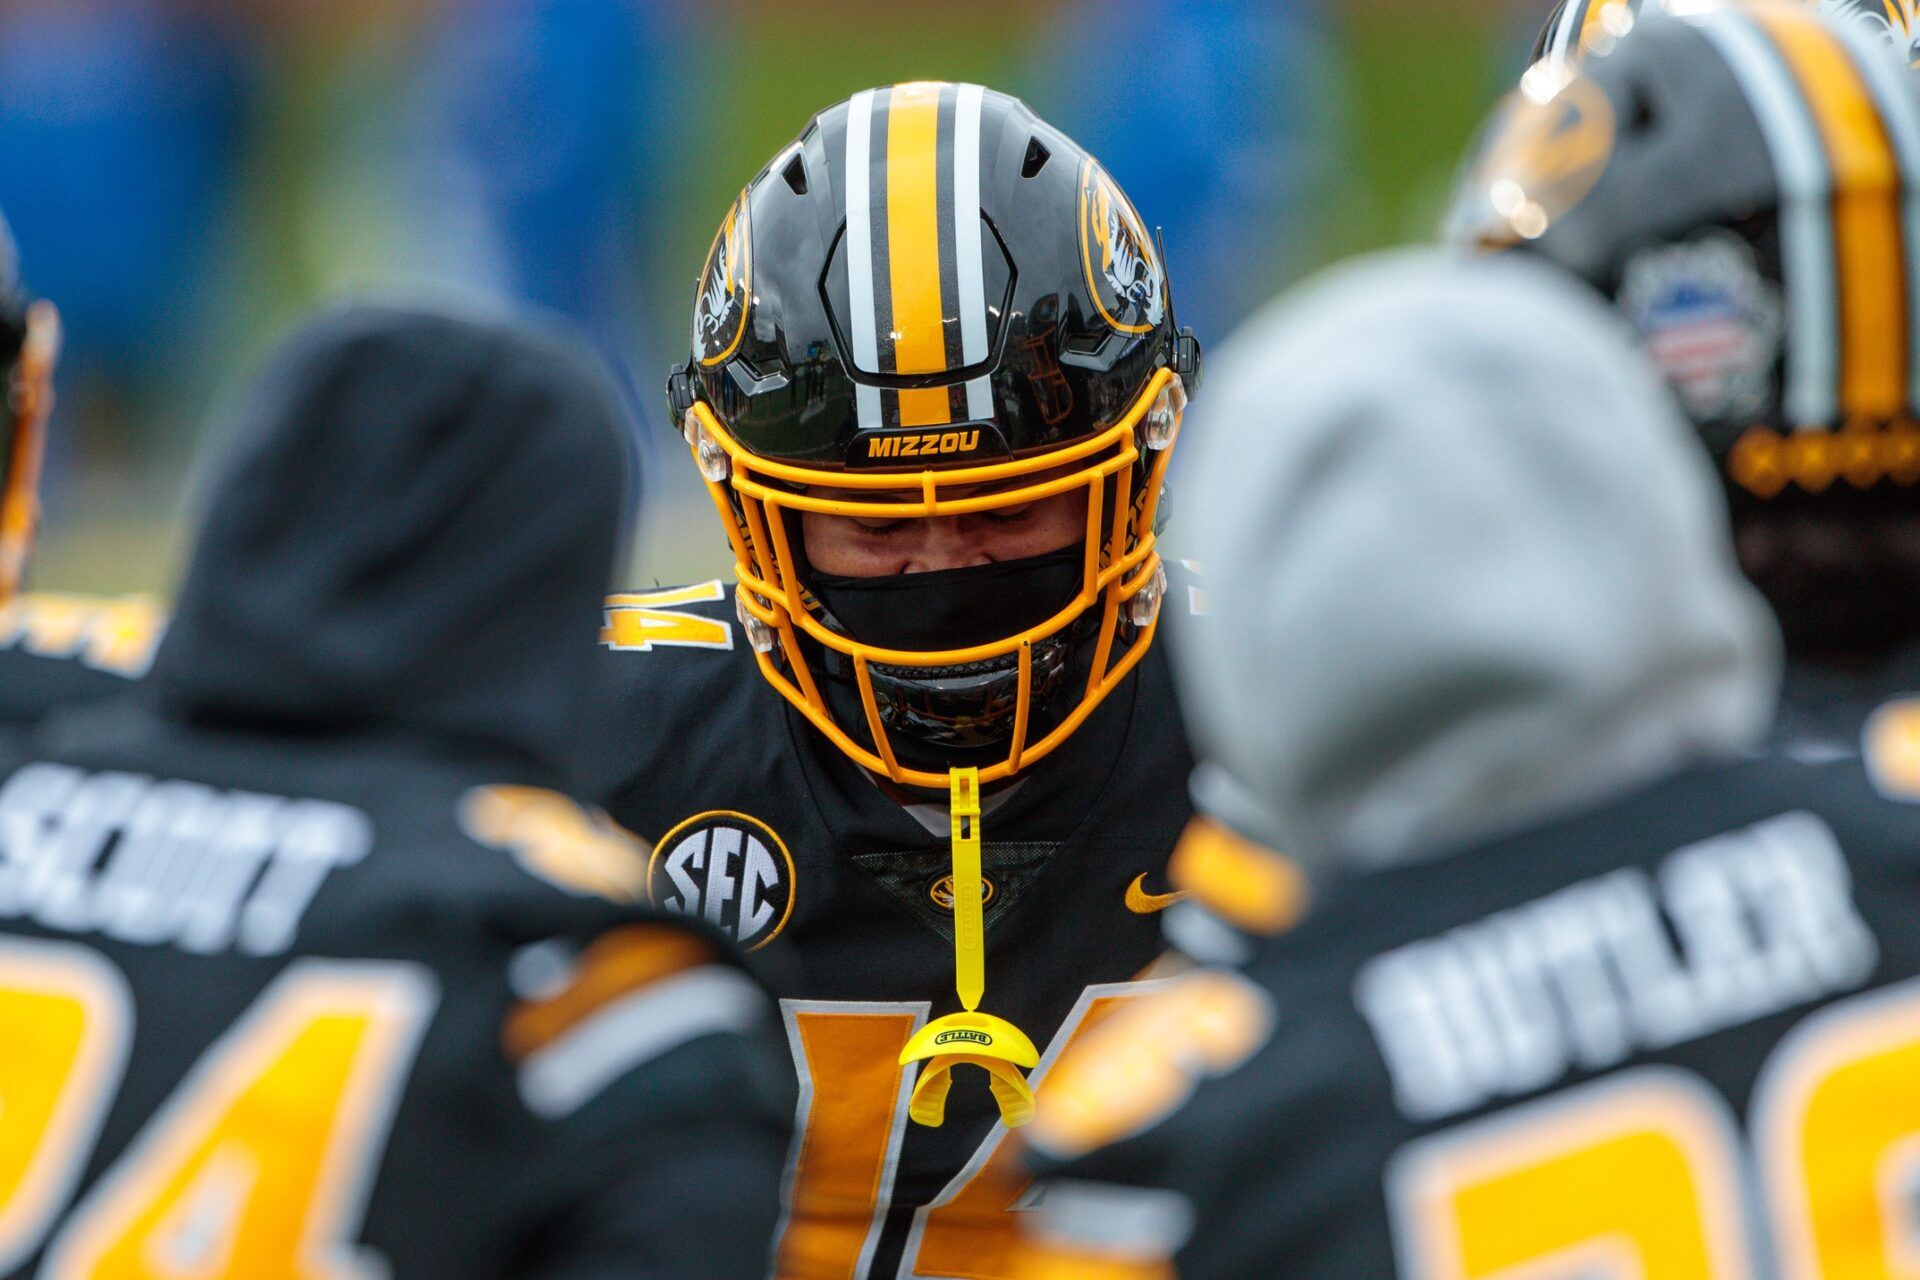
186 176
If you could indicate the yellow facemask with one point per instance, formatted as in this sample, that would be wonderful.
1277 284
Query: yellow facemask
1122 469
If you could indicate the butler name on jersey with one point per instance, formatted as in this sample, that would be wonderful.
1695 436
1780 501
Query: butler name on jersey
925 743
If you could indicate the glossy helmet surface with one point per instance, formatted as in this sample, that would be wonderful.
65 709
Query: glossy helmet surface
1578 27
933 304
1738 180
29 347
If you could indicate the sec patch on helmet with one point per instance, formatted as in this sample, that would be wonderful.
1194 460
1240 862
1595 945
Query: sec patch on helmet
728 869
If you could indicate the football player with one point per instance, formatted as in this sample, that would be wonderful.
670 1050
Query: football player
54 649
1772 285
934 387
308 966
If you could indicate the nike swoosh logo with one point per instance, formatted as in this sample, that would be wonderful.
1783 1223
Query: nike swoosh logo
1142 903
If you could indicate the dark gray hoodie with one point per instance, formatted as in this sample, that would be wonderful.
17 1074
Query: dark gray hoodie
1468 566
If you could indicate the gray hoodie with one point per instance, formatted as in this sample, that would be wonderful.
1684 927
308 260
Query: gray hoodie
1468 566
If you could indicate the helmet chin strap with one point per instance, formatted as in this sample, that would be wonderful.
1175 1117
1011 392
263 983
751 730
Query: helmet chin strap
969 1038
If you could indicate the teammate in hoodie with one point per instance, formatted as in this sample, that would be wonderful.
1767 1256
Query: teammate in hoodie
934 388
55 650
308 965
1574 954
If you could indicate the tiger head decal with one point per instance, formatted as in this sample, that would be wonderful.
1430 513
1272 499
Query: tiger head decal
726 289
1895 21
1124 273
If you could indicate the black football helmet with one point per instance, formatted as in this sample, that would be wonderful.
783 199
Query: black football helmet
1580 27
933 304
1738 181
1895 21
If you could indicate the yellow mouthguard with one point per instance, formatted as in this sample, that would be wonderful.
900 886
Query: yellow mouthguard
976 1039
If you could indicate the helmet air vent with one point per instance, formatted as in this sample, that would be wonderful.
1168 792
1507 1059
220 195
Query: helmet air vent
1640 111
795 174
1037 157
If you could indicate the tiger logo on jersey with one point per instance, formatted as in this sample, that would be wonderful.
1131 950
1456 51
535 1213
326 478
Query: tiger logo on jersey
1124 273
726 284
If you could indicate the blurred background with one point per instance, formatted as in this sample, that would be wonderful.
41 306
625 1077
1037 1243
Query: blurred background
185 177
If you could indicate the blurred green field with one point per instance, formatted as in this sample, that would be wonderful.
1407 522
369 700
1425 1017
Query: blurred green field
1405 96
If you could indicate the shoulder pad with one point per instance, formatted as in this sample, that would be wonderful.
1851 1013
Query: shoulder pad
692 617
680 689
114 634
579 851
1890 748
1143 1063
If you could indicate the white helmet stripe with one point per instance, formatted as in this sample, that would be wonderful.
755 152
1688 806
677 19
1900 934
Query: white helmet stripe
1806 217
866 353
967 245
1564 44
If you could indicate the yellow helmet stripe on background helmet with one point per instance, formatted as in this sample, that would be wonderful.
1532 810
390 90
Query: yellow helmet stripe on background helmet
1865 212
1891 90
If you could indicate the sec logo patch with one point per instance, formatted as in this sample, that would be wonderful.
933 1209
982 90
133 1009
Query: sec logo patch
728 869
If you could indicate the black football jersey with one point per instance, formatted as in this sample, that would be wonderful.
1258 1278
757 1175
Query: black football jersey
760 826
64 650
350 1006
1677 1035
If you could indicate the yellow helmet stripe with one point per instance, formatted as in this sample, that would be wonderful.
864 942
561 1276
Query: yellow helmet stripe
1892 90
1596 10
1866 215
914 234
1806 214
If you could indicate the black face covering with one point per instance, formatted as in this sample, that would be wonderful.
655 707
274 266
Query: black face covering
941 714
951 608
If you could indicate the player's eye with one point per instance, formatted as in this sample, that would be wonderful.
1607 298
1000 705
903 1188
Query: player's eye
880 528
1011 515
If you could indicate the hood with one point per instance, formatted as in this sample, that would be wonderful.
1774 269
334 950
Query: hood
413 527
1469 567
